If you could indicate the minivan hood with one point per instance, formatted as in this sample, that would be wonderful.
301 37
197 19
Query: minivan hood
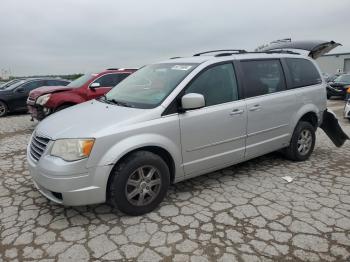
90 120
315 48
46 90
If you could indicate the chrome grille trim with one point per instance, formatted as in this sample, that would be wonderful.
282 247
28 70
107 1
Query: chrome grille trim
38 146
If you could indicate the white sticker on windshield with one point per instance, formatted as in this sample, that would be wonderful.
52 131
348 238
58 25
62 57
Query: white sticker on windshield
181 67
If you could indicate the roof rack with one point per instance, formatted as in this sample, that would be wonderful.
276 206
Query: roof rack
239 51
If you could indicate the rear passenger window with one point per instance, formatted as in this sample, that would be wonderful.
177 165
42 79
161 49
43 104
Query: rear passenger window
217 84
262 77
302 72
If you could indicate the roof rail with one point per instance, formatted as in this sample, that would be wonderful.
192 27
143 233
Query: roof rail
281 40
175 57
120 69
239 51
280 52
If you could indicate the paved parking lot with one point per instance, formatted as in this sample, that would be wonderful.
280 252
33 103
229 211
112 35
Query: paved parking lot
243 213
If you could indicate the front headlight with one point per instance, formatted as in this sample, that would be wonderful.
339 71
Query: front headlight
72 149
42 100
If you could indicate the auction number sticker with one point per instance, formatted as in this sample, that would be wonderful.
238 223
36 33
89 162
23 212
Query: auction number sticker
181 67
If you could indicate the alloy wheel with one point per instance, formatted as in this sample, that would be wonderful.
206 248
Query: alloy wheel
304 142
143 185
2 109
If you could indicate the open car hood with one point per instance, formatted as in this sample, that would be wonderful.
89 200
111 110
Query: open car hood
315 49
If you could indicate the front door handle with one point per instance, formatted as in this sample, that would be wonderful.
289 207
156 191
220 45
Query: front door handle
236 112
255 108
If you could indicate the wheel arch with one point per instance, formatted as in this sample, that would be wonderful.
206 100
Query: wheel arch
6 104
308 113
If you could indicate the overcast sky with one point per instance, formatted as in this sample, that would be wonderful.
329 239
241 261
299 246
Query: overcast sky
73 36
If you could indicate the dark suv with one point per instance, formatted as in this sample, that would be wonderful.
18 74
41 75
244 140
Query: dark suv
45 101
13 97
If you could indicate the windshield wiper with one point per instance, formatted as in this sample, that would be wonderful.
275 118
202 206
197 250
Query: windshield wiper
103 98
119 103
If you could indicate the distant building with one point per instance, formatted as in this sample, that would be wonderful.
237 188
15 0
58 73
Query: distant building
335 63
4 74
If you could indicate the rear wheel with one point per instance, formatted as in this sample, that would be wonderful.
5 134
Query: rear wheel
3 109
139 183
302 143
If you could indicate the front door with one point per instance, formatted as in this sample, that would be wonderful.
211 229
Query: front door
214 136
21 93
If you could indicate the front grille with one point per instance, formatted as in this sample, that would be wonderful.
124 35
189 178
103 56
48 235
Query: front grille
38 146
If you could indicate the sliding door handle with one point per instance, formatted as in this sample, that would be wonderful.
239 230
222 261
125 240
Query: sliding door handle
236 112
255 108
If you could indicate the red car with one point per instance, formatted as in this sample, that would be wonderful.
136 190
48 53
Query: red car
46 100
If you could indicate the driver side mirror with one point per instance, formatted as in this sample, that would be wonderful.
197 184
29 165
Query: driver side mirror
192 101
94 85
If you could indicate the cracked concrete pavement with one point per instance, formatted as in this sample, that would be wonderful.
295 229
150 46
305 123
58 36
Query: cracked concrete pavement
243 213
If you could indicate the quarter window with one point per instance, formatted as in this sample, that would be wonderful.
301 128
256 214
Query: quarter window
303 72
262 77
217 84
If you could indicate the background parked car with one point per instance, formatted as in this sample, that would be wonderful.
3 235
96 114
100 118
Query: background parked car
11 82
339 86
45 101
13 97
331 78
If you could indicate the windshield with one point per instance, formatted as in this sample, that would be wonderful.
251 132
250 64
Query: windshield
343 79
150 85
81 80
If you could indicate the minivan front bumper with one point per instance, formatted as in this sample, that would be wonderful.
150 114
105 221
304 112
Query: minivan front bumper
69 183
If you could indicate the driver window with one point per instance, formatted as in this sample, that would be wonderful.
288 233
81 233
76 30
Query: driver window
218 85
109 80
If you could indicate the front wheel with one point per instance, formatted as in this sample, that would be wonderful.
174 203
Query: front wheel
302 143
139 183
3 109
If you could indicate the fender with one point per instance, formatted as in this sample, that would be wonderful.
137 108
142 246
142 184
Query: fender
125 146
60 98
308 108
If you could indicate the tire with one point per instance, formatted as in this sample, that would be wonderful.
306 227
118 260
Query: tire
129 190
3 109
302 143
62 107
328 96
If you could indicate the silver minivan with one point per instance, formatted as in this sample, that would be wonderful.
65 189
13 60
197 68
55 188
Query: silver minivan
181 118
